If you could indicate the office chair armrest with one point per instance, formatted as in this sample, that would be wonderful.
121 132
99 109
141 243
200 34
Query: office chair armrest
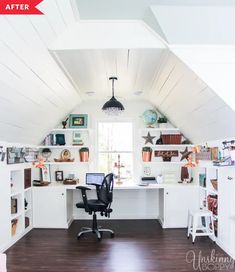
83 188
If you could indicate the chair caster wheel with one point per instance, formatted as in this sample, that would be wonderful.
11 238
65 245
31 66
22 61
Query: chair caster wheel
193 243
112 235
99 239
188 237
78 237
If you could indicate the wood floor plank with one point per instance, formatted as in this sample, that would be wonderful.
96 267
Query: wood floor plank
138 246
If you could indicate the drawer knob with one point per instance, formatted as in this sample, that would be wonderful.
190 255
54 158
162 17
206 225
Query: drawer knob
229 178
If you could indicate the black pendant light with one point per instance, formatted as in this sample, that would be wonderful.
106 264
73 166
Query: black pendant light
113 106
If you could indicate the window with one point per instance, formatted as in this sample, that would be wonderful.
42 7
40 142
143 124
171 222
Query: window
115 148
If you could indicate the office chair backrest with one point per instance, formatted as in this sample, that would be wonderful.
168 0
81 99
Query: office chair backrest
106 189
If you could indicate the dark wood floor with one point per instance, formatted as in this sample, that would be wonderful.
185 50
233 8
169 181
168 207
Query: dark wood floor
138 246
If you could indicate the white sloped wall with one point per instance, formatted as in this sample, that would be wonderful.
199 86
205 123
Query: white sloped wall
34 94
191 104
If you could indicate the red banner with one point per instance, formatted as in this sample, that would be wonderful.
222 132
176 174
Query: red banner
19 7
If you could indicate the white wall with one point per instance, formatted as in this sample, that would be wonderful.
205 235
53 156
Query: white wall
140 203
133 112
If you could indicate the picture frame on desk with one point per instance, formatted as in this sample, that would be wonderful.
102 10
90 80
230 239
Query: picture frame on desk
46 173
78 120
59 175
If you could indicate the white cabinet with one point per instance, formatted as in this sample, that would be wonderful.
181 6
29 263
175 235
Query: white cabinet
50 207
177 201
226 218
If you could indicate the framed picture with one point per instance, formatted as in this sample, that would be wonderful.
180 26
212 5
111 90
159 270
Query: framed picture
78 120
59 176
65 155
77 140
46 173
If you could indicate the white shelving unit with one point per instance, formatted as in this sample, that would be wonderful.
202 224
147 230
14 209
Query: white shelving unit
76 167
206 172
13 186
157 166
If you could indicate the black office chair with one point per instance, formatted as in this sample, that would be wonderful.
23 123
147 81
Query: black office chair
102 204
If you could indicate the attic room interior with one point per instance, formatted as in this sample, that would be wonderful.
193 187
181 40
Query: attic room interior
119 114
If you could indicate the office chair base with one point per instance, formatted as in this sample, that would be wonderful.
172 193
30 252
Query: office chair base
99 232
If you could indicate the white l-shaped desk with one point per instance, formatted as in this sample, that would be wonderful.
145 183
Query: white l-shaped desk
54 205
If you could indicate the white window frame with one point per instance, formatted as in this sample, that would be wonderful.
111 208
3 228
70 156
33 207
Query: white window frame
134 144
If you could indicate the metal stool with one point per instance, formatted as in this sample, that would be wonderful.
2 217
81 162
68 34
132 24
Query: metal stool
195 224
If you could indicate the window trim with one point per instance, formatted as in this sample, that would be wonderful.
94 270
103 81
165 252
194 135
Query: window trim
119 120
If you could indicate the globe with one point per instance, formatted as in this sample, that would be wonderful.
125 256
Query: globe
150 117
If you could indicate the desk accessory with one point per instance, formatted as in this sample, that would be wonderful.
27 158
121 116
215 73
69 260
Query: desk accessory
40 183
71 181
59 175
65 156
60 139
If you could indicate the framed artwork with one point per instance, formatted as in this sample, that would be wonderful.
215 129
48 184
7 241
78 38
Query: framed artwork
65 155
77 140
46 173
78 120
59 176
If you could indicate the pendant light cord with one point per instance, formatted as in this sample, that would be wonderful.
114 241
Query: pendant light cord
113 87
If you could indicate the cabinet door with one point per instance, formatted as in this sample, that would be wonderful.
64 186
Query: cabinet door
49 208
177 202
226 210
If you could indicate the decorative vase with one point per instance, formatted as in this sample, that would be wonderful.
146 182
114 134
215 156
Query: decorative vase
162 125
146 156
84 154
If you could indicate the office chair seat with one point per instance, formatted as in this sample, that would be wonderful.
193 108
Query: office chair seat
101 204
93 204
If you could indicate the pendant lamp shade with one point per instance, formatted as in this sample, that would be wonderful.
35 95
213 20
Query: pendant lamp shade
113 106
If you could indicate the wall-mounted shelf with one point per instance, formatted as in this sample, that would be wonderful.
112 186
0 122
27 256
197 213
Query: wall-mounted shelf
161 129
70 129
170 145
65 163
165 163
61 146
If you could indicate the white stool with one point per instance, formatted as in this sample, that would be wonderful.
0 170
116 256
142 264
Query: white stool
195 224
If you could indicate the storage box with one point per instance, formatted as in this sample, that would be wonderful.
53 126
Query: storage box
13 205
171 138
27 178
26 221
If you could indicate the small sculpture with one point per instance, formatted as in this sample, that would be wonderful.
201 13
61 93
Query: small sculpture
148 138
64 123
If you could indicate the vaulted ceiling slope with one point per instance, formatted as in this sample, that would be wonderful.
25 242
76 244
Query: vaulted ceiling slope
35 94
202 37
191 104
40 86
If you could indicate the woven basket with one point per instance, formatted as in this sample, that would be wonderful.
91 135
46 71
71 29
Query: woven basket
214 183
171 138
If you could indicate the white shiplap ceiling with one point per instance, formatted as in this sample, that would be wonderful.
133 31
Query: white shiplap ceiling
35 94
44 74
136 70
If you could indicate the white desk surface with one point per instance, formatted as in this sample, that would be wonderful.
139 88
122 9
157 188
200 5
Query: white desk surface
124 186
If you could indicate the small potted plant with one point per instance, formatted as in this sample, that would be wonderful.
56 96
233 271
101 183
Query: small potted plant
146 153
84 154
162 122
